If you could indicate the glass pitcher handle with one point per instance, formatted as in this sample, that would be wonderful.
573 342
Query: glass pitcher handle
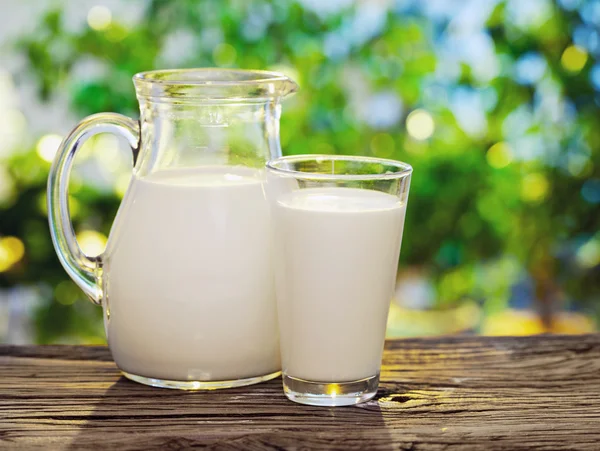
85 271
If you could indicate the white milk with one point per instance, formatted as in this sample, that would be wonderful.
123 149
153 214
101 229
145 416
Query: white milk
189 277
337 257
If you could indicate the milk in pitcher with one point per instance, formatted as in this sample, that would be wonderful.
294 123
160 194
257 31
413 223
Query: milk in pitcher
190 294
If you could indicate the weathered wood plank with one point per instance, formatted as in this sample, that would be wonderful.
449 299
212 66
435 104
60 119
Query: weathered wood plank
456 393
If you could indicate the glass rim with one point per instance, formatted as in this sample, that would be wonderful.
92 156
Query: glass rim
404 169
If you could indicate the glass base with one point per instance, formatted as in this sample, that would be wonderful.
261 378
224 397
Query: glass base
330 394
199 385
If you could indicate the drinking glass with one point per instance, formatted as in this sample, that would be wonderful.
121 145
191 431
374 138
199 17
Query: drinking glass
337 224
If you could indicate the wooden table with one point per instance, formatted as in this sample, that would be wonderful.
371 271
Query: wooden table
459 393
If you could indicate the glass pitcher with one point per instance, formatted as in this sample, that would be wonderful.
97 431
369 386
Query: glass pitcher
186 279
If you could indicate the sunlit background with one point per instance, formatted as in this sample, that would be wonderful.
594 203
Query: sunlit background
496 104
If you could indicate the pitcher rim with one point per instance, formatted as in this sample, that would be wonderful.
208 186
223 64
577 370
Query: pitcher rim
213 84
265 76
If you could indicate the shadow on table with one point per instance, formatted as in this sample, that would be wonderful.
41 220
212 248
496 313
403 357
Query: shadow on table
134 416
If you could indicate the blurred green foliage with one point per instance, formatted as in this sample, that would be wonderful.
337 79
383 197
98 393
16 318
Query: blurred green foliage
506 178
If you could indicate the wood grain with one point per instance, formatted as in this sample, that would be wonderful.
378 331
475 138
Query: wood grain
459 393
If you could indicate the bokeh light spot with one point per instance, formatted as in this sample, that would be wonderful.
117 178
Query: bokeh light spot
116 33
579 165
224 55
574 58
588 255
420 125
47 146
12 250
590 191
534 188
66 293
382 145
5 262
99 17
91 242
499 155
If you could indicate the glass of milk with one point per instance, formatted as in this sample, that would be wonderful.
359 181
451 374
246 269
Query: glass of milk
337 225
186 282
